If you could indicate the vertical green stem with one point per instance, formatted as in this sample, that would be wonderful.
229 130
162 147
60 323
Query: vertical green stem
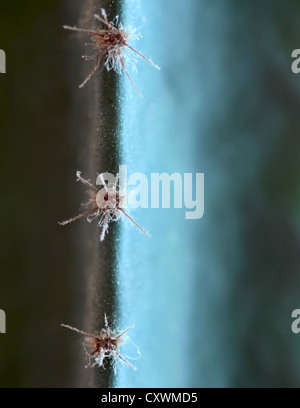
103 156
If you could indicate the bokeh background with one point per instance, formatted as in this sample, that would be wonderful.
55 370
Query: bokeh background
211 299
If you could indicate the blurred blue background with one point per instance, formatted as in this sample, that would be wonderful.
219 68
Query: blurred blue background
211 299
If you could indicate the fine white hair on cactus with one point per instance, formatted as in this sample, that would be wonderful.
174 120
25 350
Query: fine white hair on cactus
109 43
103 346
105 203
